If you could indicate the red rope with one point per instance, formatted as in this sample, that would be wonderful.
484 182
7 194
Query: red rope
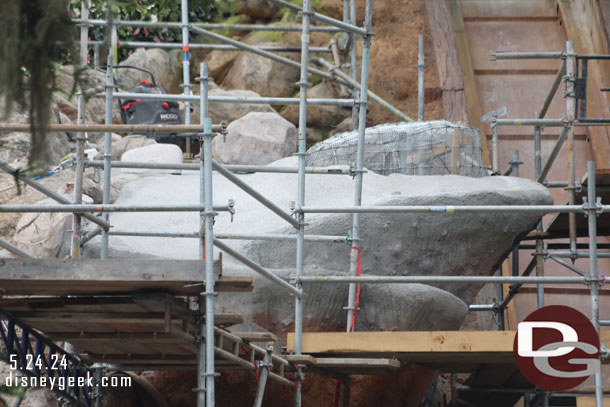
337 393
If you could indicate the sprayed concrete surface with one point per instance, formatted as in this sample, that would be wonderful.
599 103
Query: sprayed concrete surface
405 244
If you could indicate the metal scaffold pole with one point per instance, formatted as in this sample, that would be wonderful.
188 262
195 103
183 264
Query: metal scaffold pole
206 346
80 138
186 68
593 271
420 79
355 250
570 111
353 60
107 150
306 14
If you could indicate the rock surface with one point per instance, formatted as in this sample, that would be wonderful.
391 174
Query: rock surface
257 138
154 153
166 70
41 234
120 145
96 107
230 111
262 75
319 116
405 244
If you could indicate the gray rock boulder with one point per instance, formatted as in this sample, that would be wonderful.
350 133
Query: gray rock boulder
457 244
41 234
219 63
166 70
16 146
319 116
230 111
257 138
262 75
68 104
120 145
154 153
382 307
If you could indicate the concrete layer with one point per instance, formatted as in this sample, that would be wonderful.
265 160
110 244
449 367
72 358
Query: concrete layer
435 244
422 244
406 307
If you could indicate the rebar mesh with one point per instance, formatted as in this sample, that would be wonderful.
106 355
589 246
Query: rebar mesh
422 148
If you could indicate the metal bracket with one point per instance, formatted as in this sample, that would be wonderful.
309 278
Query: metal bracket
306 84
599 208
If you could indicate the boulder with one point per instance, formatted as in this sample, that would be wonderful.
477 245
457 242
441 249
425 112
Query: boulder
230 111
262 75
41 234
322 117
154 153
15 147
219 63
120 145
457 244
257 138
68 104
167 72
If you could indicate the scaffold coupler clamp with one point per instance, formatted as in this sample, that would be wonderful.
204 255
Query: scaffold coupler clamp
599 208
604 354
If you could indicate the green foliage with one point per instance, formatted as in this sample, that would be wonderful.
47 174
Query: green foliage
34 34
158 11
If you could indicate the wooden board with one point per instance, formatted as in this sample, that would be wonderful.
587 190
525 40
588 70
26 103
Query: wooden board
433 348
583 401
449 71
65 277
361 366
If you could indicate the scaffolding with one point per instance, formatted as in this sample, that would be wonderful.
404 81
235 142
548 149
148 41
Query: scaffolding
212 340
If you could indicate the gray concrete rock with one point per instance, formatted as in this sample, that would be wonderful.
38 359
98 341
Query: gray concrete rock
154 153
41 234
459 244
257 138
16 146
166 70
120 145
96 107
262 75
230 111
319 116
219 63
382 307
427 244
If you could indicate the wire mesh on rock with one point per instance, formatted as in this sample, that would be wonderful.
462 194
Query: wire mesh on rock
421 148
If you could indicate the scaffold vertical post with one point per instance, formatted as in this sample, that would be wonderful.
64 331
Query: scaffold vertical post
494 147
353 61
570 96
264 368
80 146
302 154
593 270
186 70
539 242
107 150
355 250
420 79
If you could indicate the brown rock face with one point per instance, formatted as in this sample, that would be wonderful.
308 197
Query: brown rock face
319 116
262 75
